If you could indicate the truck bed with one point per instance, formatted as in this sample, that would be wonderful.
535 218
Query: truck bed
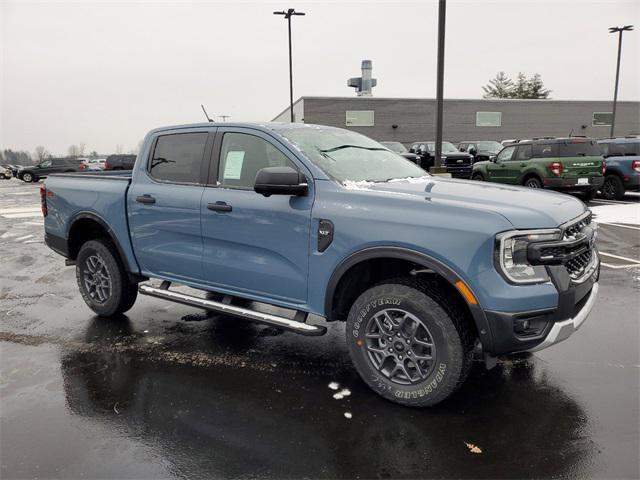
101 196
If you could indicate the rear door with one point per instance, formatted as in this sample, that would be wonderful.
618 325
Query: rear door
254 244
164 205
498 171
519 164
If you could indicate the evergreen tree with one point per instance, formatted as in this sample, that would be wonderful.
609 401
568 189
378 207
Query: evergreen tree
499 87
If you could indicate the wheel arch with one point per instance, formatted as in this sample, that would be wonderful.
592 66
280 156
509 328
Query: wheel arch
85 226
531 174
349 267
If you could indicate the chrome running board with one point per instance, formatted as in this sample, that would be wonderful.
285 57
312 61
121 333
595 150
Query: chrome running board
219 307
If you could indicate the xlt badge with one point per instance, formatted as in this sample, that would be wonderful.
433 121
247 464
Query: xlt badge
325 234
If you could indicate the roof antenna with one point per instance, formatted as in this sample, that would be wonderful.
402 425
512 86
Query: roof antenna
205 113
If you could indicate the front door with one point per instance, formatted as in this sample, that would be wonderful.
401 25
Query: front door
498 171
164 207
254 244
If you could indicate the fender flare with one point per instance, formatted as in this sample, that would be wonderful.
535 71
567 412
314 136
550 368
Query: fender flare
100 221
419 258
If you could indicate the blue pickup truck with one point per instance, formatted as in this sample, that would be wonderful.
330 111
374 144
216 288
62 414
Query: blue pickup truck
623 166
425 271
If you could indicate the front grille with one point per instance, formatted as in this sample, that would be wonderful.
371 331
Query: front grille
578 266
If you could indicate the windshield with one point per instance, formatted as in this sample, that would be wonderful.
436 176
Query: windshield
349 156
447 147
490 146
395 147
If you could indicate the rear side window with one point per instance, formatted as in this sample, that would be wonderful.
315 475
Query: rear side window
579 149
569 149
178 158
623 148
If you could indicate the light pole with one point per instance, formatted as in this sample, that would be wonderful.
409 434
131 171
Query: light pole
288 14
442 13
619 31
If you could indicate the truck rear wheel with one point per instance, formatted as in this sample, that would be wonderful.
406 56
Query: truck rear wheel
102 279
408 343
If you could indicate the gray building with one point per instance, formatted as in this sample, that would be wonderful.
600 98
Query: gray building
410 119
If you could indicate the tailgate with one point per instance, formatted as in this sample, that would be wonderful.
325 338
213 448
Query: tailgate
582 167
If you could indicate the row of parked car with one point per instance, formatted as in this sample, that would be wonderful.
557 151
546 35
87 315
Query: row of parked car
571 164
33 173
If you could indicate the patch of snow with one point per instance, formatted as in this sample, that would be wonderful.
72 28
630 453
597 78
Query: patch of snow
622 213
334 385
345 392
424 178
348 415
359 185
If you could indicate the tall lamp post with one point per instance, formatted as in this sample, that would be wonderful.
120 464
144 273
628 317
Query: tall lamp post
442 13
619 31
288 14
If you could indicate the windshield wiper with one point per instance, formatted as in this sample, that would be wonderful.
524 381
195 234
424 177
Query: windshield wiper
349 146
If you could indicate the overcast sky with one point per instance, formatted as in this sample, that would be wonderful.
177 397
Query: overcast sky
104 73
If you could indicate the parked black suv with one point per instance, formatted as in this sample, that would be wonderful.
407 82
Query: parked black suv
120 162
400 149
458 164
480 149
33 173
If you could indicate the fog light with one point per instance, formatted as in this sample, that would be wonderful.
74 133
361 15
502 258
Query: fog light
529 327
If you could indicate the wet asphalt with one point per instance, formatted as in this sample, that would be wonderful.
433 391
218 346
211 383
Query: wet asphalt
170 391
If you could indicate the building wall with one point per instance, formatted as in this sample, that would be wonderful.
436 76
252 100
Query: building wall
415 118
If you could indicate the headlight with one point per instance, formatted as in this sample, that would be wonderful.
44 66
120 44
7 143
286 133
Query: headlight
511 255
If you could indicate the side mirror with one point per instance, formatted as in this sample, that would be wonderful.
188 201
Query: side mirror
472 151
280 181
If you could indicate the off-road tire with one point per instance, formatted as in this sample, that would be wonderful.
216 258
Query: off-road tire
533 182
28 177
122 292
478 177
450 330
612 188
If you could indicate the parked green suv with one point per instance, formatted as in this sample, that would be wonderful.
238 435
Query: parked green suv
572 165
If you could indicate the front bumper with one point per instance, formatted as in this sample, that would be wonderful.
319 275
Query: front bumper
564 329
575 301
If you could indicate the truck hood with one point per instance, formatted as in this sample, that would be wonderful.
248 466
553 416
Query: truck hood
522 207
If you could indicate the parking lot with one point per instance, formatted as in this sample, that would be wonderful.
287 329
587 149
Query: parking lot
170 391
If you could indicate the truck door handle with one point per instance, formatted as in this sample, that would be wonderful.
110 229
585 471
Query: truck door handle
219 207
148 199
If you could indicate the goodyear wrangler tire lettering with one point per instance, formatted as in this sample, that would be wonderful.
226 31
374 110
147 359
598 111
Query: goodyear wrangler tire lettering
408 343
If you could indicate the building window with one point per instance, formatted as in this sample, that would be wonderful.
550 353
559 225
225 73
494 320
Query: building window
359 118
602 119
488 119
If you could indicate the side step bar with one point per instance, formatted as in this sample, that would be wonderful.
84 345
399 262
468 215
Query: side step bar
273 320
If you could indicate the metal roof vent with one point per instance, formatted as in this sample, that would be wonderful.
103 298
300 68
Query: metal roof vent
365 83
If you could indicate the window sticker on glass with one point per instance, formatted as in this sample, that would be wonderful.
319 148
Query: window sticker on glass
233 165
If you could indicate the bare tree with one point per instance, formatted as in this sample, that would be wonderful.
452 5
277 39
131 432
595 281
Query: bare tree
41 153
81 149
119 148
73 151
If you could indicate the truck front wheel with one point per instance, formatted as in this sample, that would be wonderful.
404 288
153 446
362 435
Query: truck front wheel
103 281
408 343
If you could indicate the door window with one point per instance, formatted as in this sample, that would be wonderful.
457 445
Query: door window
46 163
524 153
178 158
242 155
505 154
